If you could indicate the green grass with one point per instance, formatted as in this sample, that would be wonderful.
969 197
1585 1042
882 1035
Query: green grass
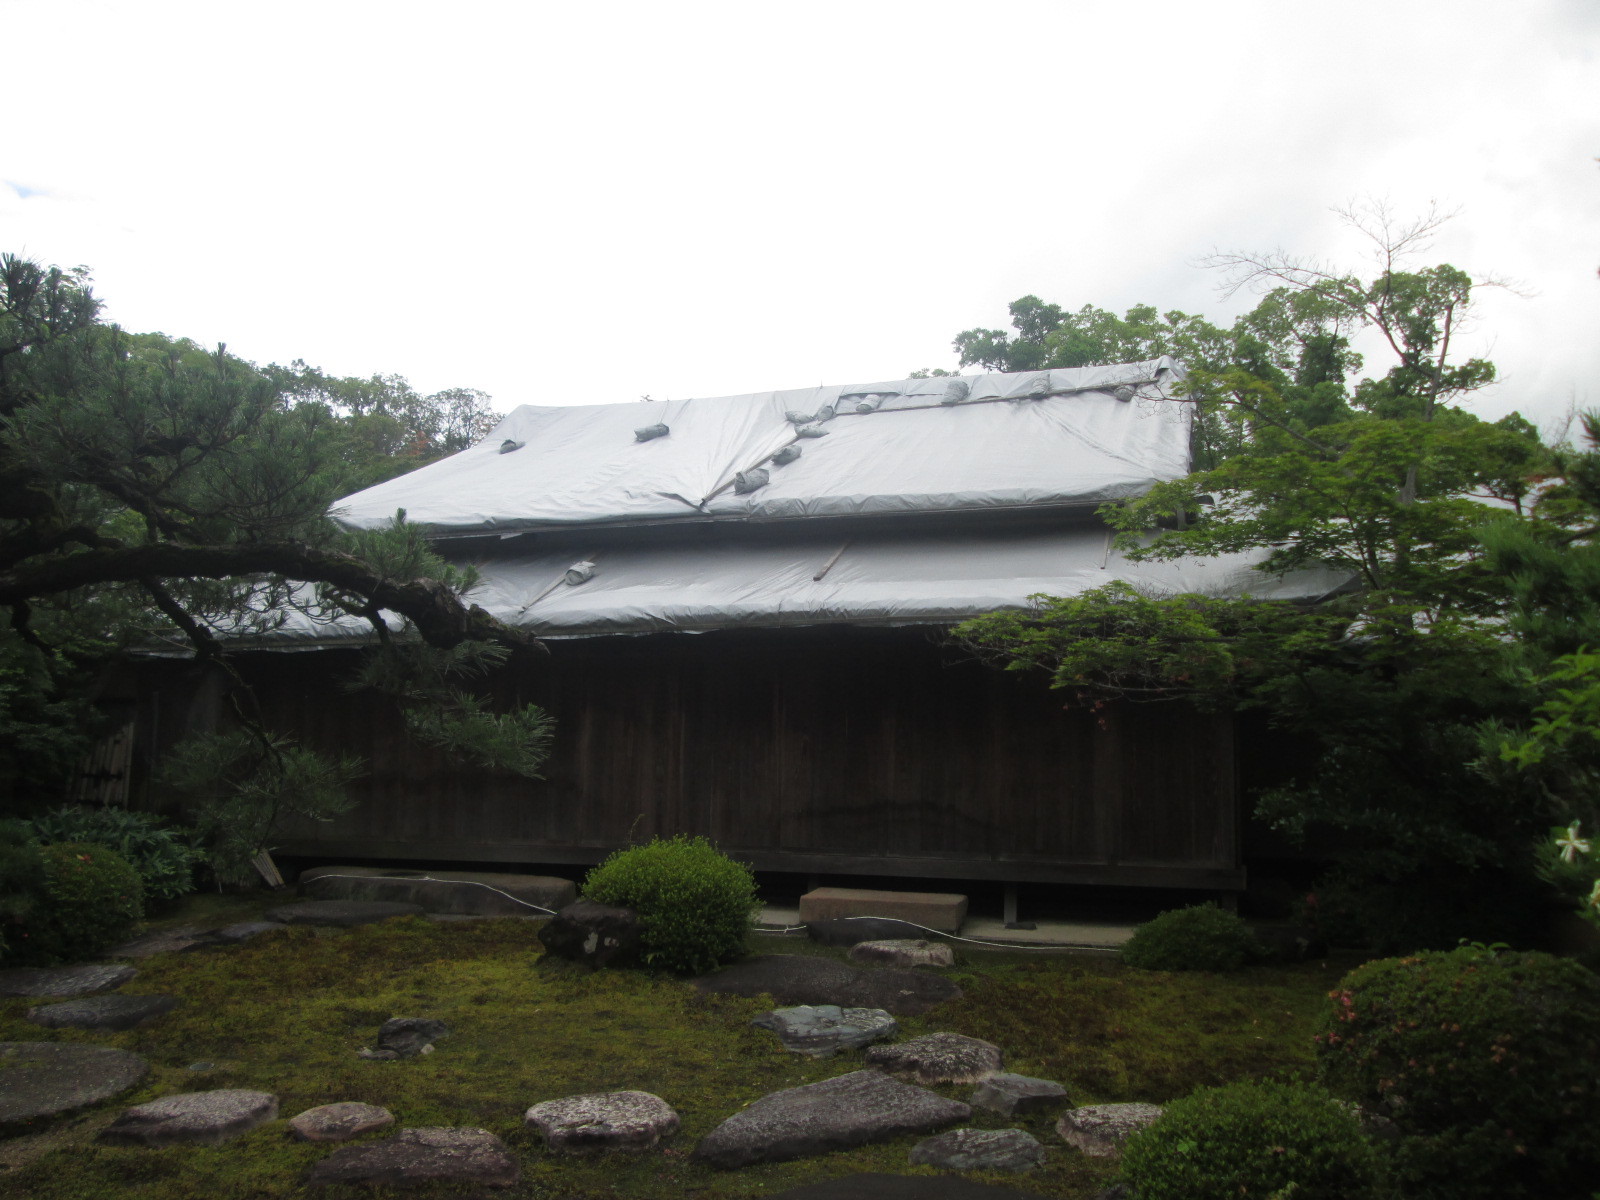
287 1012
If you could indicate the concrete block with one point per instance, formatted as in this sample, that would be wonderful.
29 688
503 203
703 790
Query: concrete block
943 911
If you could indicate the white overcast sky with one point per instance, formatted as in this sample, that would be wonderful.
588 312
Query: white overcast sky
566 203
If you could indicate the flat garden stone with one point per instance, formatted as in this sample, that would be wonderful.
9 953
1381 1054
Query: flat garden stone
848 931
44 1079
601 935
113 1011
165 941
461 893
603 1121
339 1122
344 914
979 1150
1100 1129
243 931
821 1029
902 952
878 1186
414 1157
64 981
1013 1095
807 979
848 1110
198 1118
936 1058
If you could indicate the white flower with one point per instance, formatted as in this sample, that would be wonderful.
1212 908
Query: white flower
1572 845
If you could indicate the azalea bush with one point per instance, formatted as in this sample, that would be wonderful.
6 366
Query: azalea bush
85 898
164 855
1199 938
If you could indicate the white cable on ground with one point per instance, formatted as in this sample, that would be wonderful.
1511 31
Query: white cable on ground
431 879
956 938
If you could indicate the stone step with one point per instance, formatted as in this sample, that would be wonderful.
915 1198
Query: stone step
943 911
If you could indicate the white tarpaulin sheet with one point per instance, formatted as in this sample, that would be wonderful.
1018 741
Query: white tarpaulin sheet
1058 438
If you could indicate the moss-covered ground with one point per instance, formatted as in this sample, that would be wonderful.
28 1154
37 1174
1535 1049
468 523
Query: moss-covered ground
287 1012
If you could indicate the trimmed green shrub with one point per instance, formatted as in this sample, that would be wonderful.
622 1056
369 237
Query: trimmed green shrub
1484 1059
1200 938
21 879
88 898
164 856
1252 1141
694 902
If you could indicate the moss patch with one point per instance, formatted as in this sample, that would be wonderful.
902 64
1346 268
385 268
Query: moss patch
286 1013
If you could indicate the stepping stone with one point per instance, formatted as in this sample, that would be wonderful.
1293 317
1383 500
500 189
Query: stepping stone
243 931
941 911
64 981
407 1037
341 913
806 979
849 1110
603 1121
165 941
940 1058
877 1186
903 952
466 893
115 1011
43 1079
339 1122
848 931
196 1118
1100 1129
979 1150
819 1030
1013 1095
419 1156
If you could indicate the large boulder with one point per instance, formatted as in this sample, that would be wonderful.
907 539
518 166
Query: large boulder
979 1150
807 979
603 1121
600 935
64 981
115 1011
344 914
339 1122
414 1157
821 1029
44 1079
200 1118
848 1110
468 893
1101 1129
936 1058
902 952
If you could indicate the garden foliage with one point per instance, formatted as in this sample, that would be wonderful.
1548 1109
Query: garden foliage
163 855
1198 938
84 898
1485 1060
694 902
1252 1141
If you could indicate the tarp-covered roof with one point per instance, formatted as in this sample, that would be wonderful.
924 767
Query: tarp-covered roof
1060 438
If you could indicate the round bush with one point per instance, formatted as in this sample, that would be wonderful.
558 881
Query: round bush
1485 1062
163 856
1252 1141
1201 938
694 902
88 898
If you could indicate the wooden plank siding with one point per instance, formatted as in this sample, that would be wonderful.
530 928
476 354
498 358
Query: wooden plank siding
835 750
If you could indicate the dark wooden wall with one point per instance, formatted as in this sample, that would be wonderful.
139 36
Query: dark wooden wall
813 750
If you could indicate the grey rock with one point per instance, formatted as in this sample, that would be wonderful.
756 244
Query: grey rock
848 1110
806 979
821 1029
64 981
165 941
407 1037
902 952
243 931
115 1011
201 1118
379 1055
43 1079
601 935
339 1122
1014 1095
343 914
462 893
1100 1129
979 1150
847 931
940 1058
420 1156
603 1121
877 1186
